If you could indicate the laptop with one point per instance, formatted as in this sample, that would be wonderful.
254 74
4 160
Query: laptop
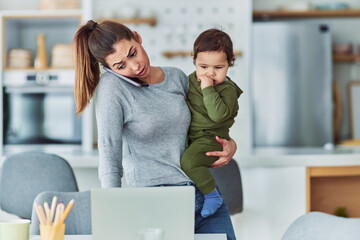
121 213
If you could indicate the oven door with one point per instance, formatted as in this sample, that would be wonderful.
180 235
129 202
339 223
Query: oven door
41 115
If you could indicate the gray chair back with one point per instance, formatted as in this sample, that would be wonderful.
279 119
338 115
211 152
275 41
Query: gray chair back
228 180
25 175
78 221
319 226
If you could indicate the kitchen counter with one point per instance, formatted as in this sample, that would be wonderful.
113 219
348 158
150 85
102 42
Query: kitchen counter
261 157
277 157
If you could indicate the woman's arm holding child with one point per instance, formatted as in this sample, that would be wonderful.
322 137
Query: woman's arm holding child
229 149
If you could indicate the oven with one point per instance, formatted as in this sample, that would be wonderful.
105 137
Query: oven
39 110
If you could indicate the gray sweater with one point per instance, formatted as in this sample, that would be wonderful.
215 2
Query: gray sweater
142 129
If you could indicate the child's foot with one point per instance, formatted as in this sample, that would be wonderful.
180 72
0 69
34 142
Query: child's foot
212 202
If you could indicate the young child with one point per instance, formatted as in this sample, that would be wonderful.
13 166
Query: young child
213 102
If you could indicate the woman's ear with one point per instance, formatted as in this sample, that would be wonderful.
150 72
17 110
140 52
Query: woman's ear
137 37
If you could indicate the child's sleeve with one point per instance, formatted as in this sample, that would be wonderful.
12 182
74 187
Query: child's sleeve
222 105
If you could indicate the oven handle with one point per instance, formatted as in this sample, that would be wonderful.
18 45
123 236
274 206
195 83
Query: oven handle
38 89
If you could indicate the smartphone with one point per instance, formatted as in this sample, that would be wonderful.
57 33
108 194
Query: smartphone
132 81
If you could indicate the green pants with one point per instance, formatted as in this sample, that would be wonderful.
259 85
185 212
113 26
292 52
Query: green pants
195 163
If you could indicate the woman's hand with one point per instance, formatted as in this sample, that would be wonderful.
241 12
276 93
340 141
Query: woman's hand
229 149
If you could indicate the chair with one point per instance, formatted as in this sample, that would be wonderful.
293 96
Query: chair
78 221
320 226
228 180
25 175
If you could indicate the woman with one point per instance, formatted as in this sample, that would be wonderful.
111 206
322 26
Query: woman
142 129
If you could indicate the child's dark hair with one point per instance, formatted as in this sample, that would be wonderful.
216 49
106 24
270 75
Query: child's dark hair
214 40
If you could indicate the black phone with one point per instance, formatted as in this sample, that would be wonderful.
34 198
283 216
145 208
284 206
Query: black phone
132 81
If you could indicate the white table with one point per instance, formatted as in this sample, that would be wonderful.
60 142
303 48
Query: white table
89 237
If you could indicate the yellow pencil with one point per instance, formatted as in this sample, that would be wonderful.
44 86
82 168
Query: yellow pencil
67 210
41 220
52 210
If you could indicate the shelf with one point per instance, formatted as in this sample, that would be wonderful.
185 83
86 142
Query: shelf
32 69
346 58
172 54
149 21
58 28
329 188
281 14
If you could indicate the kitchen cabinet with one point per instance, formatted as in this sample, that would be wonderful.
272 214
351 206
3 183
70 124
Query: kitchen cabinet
329 189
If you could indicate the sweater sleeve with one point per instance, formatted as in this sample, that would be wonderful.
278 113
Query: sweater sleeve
220 106
109 117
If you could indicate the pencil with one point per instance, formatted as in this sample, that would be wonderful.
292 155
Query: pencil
42 214
67 210
47 212
41 220
62 206
52 210
57 214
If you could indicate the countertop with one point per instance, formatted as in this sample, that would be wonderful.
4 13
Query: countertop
303 156
259 157
265 157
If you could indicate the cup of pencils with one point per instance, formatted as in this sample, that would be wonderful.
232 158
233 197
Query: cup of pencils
52 218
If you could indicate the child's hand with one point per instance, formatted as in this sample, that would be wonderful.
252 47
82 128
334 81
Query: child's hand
205 81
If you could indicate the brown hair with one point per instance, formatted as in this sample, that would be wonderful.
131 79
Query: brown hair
93 42
214 40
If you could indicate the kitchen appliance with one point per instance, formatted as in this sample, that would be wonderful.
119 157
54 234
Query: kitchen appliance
39 108
291 84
